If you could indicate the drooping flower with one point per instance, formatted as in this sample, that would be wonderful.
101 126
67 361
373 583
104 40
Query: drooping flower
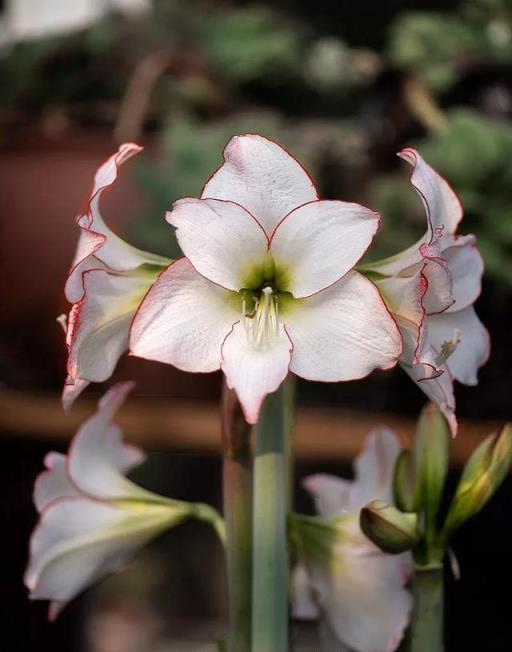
92 518
267 284
106 283
430 289
342 576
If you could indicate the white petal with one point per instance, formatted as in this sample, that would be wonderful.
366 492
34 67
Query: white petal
369 608
361 591
72 389
184 320
439 294
53 483
97 454
99 324
374 469
343 332
304 606
254 371
442 205
330 493
438 389
78 541
466 269
221 239
471 352
96 239
318 243
261 176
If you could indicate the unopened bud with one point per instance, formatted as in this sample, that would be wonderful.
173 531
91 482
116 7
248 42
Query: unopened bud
430 455
390 529
404 482
483 474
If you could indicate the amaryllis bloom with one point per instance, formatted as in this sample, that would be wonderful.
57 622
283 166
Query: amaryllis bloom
92 518
267 284
106 283
342 576
430 289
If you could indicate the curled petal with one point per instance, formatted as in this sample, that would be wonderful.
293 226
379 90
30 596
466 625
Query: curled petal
221 239
261 176
96 239
54 482
99 324
319 242
97 456
183 320
443 207
439 389
254 371
78 541
466 268
343 332
472 350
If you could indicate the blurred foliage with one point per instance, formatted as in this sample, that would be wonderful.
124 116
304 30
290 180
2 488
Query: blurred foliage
345 96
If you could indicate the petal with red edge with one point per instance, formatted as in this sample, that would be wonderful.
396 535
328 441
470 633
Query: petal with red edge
221 239
318 243
343 332
438 389
184 320
471 352
466 268
442 205
72 389
254 371
98 325
96 238
261 176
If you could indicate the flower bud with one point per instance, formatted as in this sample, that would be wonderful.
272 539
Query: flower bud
404 481
430 459
390 529
483 474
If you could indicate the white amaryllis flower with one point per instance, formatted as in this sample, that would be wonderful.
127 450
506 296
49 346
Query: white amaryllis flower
106 283
430 289
267 285
92 518
342 576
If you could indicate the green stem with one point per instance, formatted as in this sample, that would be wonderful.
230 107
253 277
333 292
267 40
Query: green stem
426 630
237 481
270 550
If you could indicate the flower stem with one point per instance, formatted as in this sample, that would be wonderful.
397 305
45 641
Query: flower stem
270 501
237 480
426 630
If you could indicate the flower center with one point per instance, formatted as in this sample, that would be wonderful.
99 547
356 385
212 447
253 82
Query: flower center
261 316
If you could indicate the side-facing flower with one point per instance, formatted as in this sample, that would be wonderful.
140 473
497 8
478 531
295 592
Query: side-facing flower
356 587
267 285
92 518
106 283
430 289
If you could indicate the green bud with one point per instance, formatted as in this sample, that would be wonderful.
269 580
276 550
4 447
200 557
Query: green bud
390 529
430 456
483 474
404 481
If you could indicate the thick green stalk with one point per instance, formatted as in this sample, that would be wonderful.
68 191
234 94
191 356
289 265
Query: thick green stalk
270 501
427 624
237 481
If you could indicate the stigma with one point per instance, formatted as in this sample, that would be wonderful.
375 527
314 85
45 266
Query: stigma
262 325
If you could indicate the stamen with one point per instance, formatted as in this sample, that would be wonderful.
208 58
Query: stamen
448 347
263 324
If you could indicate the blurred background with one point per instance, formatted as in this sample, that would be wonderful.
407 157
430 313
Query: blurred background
344 86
